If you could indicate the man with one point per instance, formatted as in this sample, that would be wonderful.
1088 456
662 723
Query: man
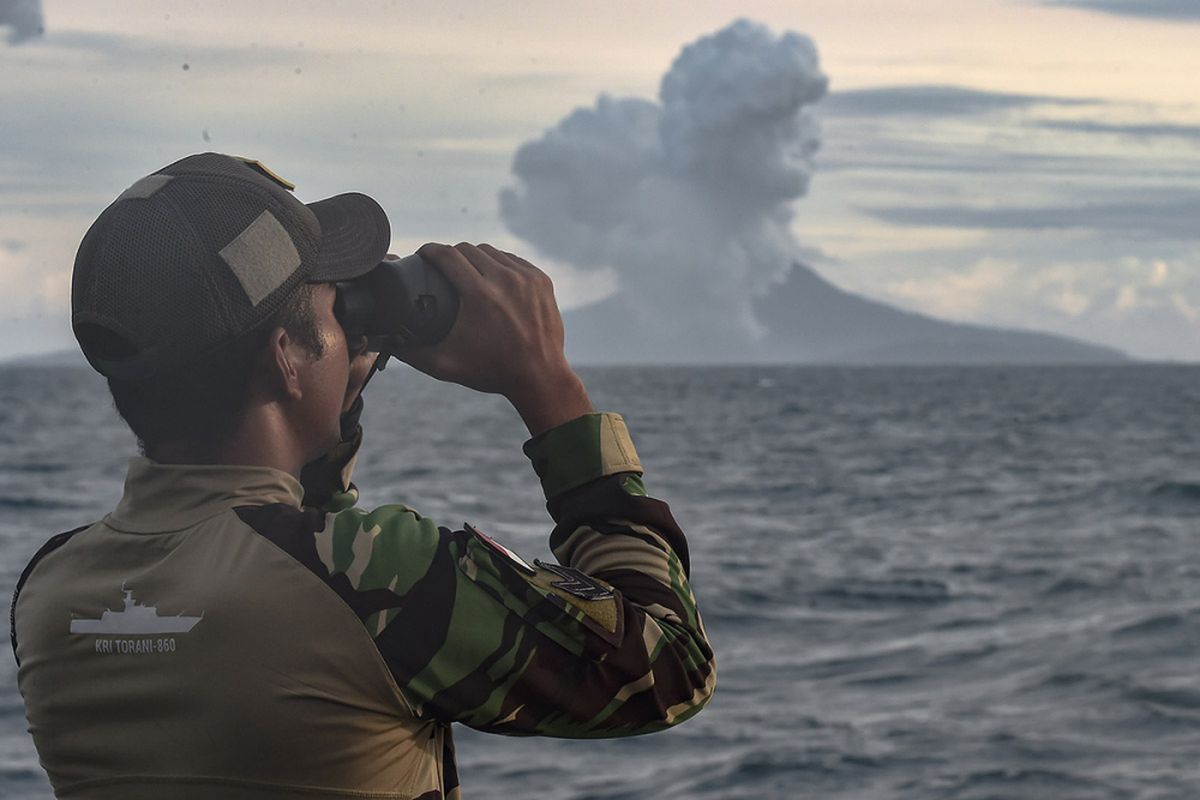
236 628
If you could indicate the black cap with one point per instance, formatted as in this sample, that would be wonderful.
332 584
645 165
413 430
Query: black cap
203 251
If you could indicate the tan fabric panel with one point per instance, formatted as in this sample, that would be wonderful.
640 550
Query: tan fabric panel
276 685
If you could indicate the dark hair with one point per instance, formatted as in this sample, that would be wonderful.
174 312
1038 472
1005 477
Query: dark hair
202 404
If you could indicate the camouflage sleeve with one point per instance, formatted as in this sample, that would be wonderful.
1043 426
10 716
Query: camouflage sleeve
608 642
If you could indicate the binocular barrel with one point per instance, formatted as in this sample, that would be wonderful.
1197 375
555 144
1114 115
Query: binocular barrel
399 302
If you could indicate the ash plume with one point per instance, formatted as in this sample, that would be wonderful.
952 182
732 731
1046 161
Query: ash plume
23 18
689 198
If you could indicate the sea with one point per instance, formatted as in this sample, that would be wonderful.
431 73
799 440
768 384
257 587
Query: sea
968 583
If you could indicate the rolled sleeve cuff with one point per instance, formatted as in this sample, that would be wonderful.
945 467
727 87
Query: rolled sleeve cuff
580 451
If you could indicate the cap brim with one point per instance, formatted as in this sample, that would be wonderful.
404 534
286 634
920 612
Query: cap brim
355 236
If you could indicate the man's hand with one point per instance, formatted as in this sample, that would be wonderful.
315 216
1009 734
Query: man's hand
508 338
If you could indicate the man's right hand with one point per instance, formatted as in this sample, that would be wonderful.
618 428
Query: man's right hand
508 338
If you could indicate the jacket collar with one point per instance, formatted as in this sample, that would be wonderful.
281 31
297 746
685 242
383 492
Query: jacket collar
169 497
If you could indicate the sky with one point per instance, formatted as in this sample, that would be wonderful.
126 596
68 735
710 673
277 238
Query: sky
1023 163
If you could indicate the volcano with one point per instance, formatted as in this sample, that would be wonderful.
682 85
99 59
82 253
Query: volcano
810 321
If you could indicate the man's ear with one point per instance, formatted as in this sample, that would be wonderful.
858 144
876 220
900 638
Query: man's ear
280 365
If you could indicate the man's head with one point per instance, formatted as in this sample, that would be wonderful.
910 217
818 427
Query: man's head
204 284
202 406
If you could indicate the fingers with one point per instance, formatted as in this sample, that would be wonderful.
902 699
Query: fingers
513 258
499 256
515 335
517 263
482 269
466 254
457 268
484 259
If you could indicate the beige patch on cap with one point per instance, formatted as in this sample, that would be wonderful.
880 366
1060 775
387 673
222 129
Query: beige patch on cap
254 163
145 188
262 257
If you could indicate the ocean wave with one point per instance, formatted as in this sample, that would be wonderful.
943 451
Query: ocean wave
1173 700
875 664
36 504
18 775
886 591
1158 623
782 772
1068 679
965 655
34 467
1182 491
1071 584
998 782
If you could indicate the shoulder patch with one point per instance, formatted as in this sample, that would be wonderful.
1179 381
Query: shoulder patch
508 555
575 582
593 603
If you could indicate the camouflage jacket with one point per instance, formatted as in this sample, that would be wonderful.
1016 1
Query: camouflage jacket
606 642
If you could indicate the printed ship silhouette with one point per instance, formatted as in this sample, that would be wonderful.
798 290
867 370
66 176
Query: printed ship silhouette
134 618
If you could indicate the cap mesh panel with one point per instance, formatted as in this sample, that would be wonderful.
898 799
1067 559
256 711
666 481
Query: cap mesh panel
144 270
151 266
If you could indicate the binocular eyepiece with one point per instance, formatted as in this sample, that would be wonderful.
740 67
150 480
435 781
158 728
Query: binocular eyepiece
399 302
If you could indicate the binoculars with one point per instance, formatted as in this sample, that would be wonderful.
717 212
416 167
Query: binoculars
400 302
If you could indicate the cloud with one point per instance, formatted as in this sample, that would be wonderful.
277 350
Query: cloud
1135 131
129 51
933 100
1180 10
1159 274
1186 309
1170 215
1152 292
1062 288
23 19
958 295
35 279
687 199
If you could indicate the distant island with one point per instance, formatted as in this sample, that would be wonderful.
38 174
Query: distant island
57 358
811 321
808 321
